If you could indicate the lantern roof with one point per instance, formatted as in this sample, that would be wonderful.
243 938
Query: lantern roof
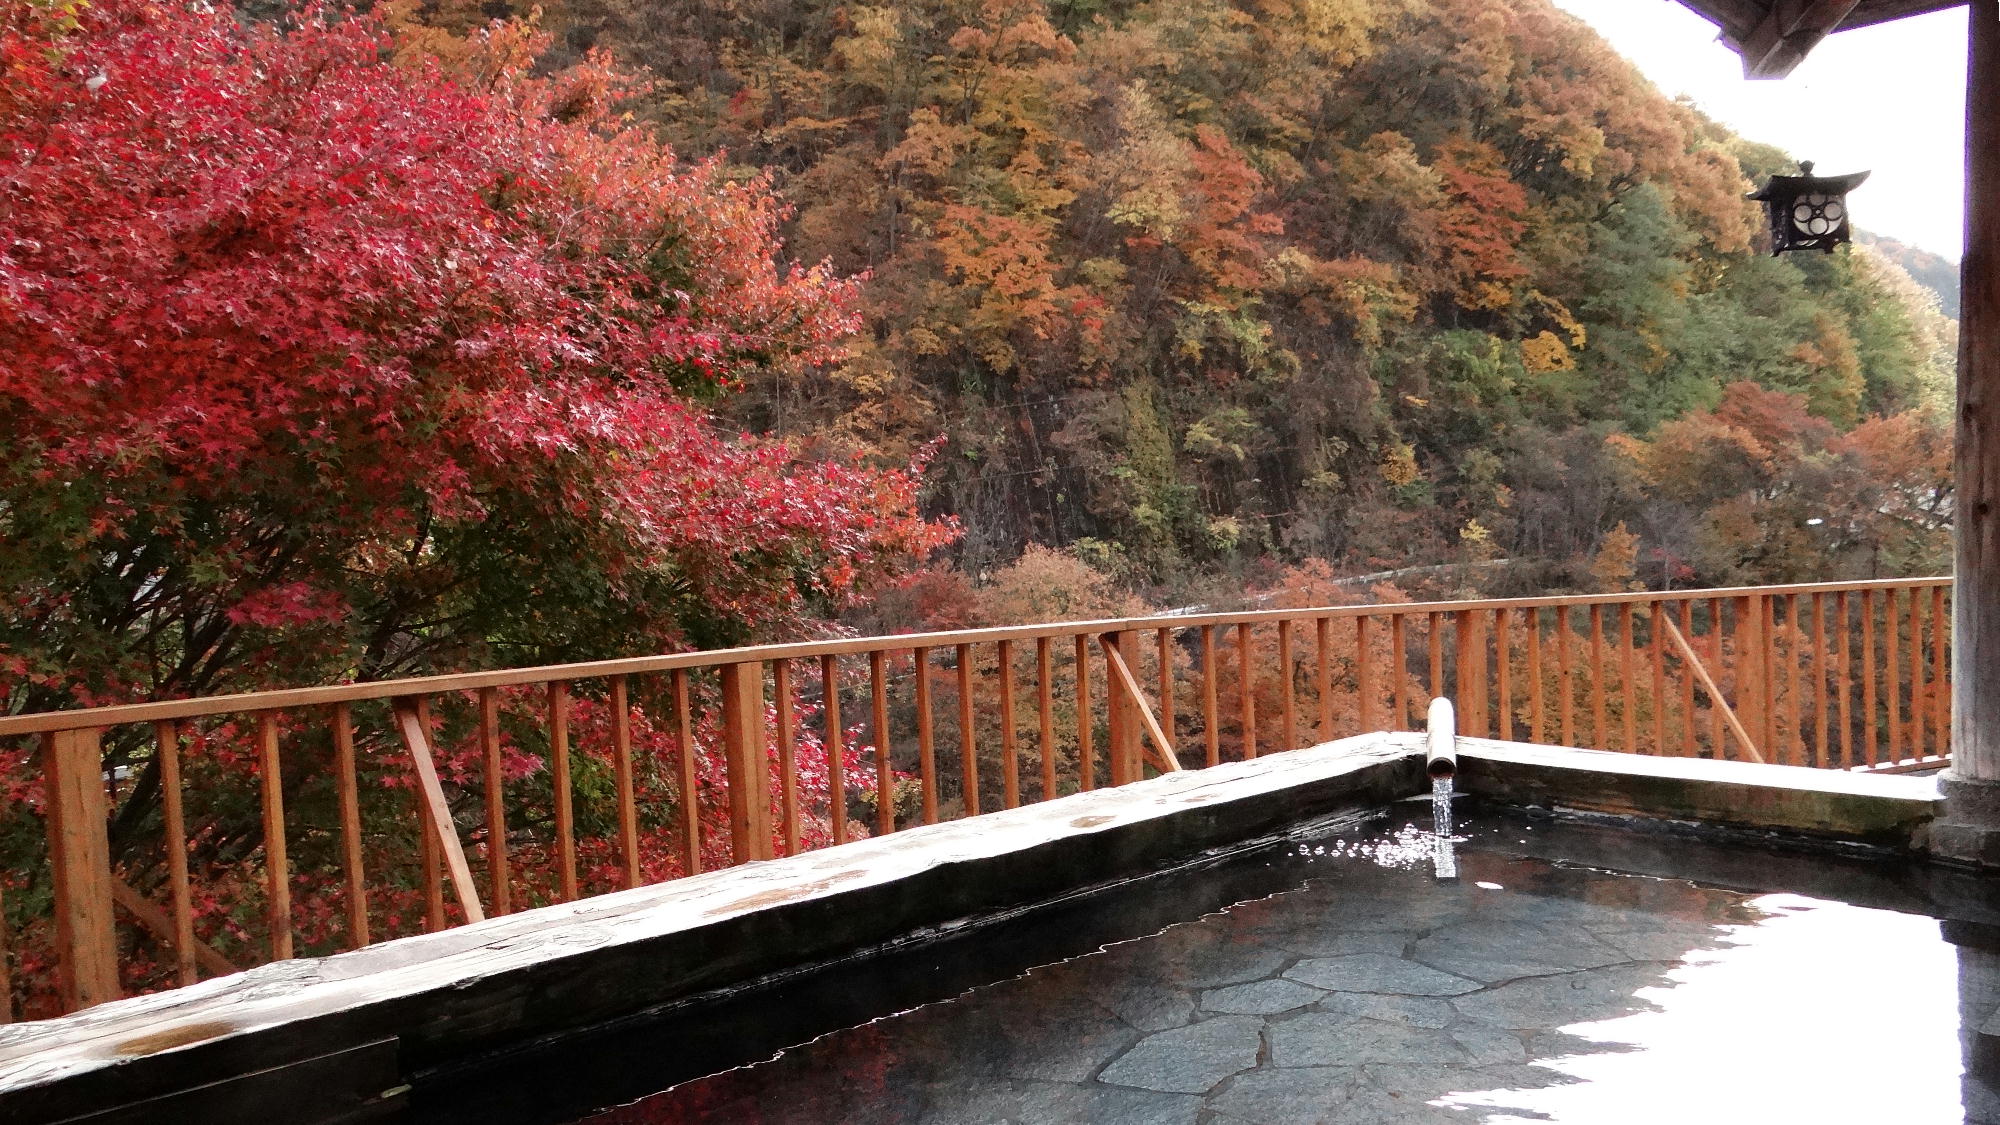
1787 187
1773 36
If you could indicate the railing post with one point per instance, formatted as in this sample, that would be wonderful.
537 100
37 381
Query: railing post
1750 665
1126 727
80 854
743 750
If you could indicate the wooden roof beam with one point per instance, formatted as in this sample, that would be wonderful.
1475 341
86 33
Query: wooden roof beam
1788 32
1735 19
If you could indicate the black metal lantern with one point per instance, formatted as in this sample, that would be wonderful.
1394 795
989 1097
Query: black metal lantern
1808 212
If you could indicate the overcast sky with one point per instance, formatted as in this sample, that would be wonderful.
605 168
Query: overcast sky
1889 98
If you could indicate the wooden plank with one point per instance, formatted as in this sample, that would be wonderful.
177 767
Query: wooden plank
1364 674
744 755
414 726
1749 660
1870 726
1128 685
927 778
1844 684
1690 748
162 926
885 776
1769 625
1597 671
1658 645
1474 710
290 698
494 779
1010 762
180 930
690 784
1819 657
1916 741
1211 719
1086 755
1288 726
345 783
785 716
1537 724
1794 745
968 743
560 782
429 867
80 864
621 775
1468 665
277 867
1323 674
1399 669
1045 713
1717 655
1565 679
836 746
1941 638
1715 697
1246 692
1503 686
1892 677
1122 754
1628 682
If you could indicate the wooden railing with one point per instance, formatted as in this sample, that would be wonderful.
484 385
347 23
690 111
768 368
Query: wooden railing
180 839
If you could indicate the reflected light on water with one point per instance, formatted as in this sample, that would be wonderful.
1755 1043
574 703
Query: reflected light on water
1873 992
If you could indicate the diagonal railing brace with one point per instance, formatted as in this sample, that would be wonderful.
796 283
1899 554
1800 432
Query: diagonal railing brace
437 814
1708 685
1163 756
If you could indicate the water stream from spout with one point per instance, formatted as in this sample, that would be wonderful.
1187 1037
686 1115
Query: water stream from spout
1442 854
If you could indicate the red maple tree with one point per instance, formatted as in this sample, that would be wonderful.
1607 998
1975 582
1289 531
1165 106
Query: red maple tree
319 364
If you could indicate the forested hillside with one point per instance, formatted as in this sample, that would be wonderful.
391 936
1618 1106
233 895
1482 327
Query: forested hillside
1932 271
1196 288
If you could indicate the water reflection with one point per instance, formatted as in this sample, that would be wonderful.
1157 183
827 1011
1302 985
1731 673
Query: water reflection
1816 1011
1529 991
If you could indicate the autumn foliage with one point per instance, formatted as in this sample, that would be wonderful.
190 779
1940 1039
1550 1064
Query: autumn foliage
314 364
343 346
1223 285
318 365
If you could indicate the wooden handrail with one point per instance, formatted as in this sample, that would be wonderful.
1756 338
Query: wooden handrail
1825 697
287 698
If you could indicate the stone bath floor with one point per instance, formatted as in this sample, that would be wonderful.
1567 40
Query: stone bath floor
1372 993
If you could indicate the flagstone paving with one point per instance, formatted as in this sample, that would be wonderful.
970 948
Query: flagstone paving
1359 998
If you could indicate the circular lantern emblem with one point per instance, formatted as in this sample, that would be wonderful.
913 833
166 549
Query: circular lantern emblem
1818 214
1807 212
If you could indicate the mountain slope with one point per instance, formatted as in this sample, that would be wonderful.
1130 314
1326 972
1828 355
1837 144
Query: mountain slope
1191 284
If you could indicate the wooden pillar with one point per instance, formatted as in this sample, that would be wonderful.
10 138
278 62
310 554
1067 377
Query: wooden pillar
1126 727
80 855
744 752
1971 828
1976 605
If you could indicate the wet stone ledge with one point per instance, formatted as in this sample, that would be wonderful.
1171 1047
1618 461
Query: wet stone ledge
339 1038
1883 811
